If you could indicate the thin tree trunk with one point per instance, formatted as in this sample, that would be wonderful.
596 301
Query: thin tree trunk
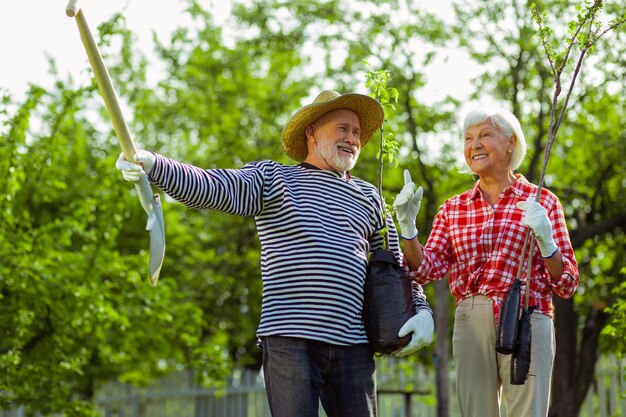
574 366
565 323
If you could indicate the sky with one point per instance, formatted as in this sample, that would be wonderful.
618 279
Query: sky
32 31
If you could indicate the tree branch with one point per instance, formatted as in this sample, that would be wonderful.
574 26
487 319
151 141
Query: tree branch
580 235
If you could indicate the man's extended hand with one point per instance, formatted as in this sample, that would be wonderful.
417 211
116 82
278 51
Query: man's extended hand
422 326
134 172
536 217
407 205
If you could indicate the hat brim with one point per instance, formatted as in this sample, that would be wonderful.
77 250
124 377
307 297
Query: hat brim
369 110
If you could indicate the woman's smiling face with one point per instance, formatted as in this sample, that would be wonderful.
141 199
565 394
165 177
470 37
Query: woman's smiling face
487 150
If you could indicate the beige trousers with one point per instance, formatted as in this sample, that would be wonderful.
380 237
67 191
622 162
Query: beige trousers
483 375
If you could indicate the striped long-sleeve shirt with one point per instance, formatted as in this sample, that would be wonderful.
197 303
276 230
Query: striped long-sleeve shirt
316 228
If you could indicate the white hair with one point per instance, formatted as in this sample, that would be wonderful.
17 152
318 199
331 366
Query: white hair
508 125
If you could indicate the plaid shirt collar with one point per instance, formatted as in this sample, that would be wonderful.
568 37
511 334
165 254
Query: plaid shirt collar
517 187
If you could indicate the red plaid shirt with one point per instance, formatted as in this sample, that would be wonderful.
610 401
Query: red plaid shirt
480 246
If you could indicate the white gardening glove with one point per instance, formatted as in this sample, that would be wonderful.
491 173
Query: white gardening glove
407 205
536 217
422 326
134 172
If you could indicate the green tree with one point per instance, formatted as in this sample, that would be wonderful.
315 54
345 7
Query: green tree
76 308
74 291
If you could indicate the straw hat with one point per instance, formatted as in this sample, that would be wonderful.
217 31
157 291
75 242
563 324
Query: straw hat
370 114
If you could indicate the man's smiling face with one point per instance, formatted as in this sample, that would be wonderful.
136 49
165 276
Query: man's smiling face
334 140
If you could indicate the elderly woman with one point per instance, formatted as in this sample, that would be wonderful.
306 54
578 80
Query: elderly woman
477 238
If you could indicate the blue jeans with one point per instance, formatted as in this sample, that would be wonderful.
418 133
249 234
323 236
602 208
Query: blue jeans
300 373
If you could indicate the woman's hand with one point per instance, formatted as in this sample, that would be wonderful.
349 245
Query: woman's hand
536 217
407 205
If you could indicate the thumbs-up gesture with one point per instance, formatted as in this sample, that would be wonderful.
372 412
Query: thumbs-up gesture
407 205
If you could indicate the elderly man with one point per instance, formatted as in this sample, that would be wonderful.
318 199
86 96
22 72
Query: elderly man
317 225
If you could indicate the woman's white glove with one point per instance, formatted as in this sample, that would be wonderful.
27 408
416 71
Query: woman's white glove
407 205
536 217
134 172
422 326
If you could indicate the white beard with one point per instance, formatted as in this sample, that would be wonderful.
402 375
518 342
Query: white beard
331 154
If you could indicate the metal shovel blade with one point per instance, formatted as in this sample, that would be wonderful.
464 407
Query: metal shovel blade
155 225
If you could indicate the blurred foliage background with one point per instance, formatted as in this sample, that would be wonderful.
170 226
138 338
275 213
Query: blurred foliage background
76 305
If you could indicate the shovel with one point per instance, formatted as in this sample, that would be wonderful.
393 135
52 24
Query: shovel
150 202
